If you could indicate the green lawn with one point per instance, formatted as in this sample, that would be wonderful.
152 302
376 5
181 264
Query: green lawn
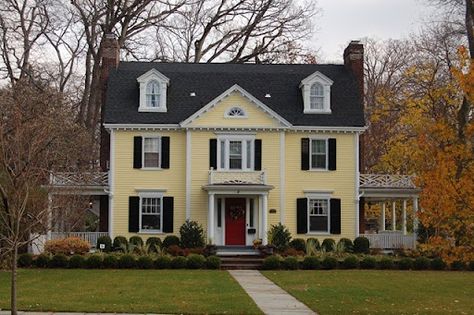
132 291
380 292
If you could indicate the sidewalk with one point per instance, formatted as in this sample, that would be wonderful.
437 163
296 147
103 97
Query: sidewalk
269 297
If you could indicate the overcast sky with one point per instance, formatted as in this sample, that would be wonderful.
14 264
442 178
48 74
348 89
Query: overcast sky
343 20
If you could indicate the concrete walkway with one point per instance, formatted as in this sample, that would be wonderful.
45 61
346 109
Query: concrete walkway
269 297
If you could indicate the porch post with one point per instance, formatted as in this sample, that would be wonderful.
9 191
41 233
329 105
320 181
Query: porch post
404 215
415 221
394 218
210 219
382 223
50 216
264 219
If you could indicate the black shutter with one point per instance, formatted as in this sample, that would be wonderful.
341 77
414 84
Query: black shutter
258 154
133 214
335 216
213 153
165 152
168 205
301 215
305 154
332 154
137 152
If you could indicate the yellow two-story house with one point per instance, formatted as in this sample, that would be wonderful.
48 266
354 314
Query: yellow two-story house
235 147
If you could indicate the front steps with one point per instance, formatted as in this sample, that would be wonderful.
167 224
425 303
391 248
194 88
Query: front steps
239 257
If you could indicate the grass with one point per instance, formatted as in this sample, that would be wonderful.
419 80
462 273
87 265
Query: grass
380 292
132 291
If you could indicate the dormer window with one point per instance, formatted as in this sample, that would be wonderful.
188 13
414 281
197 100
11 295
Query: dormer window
316 90
153 86
235 112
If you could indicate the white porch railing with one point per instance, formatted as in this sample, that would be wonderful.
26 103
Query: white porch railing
390 240
73 179
386 181
90 237
237 177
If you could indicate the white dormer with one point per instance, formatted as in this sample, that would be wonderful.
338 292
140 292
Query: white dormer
153 86
316 91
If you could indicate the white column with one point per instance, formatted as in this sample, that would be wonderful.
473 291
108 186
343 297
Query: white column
210 219
264 219
415 220
404 216
282 177
394 216
382 223
188 174
50 216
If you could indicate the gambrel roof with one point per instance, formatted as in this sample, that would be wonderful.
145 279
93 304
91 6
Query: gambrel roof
208 81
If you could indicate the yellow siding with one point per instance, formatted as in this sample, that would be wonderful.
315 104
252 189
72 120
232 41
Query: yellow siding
215 116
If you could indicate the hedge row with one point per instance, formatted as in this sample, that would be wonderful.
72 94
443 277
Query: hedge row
354 262
126 261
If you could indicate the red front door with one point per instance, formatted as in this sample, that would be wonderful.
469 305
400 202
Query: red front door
235 221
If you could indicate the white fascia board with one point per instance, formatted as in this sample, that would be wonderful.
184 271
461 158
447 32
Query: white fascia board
153 73
316 77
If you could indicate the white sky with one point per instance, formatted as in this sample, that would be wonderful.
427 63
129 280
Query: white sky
345 20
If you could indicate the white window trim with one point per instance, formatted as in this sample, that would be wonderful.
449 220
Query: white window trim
244 139
306 84
150 195
310 197
143 152
143 80
318 169
226 114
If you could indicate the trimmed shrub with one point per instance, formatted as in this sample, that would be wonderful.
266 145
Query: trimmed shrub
315 241
328 244
127 262
77 261
213 262
110 262
119 243
386 263
471 265
292 252
25 260
136 240
279 236
179 262
368 263
298 244
311 263
196 261
271 263
170 240
329 263
154 244
437 264
457 265
67 246
175 250
58 261
107 244
312 246
162 262
290 263
421 263
405 263
94 262
144 262
361 245
347 243
41 261
350 262
191 234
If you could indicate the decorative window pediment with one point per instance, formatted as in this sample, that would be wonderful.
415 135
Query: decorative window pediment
153 87
235 112
316 91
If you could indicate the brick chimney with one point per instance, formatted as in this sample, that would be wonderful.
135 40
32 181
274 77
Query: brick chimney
110 58
354 61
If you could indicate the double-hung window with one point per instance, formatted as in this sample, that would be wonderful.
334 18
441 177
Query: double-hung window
318 215
150 213
316 96
151 152
319 154
236 153
153 94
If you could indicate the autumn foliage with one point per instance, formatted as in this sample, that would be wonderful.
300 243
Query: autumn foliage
67 246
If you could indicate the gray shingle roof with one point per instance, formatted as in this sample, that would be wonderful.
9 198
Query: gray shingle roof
209 80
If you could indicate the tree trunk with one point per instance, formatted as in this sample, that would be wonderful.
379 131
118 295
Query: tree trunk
13 279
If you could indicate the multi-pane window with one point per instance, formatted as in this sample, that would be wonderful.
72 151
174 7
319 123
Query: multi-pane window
151 152
318 215
150 214
236 154
316 96
153 94
318 153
